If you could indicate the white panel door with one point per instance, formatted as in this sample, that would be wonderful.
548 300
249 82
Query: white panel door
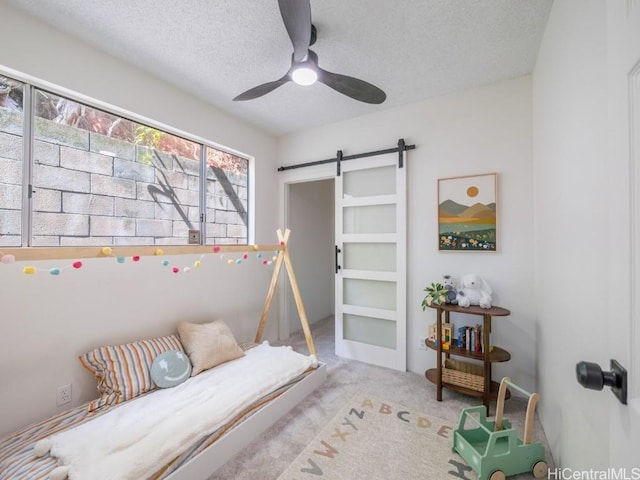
623 52
370 312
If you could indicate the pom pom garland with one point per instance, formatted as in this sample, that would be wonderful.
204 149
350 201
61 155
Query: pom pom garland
108 251
7 259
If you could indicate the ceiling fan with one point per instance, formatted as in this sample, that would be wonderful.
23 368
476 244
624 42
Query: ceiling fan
304 69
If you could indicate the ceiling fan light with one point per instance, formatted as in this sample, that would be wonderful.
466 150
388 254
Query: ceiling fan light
304 76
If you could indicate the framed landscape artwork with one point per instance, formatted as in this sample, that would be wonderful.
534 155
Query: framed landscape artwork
467 213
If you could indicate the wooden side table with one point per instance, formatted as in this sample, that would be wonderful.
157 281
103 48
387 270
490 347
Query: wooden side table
488 356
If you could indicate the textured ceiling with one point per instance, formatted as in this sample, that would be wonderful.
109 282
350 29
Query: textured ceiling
216 49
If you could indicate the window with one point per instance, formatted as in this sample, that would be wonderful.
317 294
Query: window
227 195
98 178
11 161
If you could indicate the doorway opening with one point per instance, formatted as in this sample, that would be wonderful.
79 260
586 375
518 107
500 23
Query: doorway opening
310 216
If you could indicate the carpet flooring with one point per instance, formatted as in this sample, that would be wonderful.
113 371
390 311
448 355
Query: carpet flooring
271 453
375 439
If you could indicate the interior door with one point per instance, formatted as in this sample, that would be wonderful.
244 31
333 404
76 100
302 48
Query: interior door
370 289
623 52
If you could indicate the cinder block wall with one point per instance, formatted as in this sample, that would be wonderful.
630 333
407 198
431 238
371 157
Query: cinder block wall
90 189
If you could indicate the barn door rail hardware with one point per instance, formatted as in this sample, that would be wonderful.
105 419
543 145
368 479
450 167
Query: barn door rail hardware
339 158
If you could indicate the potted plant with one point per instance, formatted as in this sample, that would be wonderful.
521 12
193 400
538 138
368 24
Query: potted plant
436 294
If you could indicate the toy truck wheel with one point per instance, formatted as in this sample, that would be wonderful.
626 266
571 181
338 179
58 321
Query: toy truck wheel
497 475
540 469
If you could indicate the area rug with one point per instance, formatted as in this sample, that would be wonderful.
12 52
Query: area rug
374 439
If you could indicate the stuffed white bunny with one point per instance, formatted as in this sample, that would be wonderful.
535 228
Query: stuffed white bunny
473 290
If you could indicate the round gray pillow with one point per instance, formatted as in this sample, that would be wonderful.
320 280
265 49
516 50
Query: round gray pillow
170 369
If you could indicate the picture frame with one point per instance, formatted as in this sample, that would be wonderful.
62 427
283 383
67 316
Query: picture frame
467 213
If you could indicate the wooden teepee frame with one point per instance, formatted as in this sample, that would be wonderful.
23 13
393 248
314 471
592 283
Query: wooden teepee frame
283 257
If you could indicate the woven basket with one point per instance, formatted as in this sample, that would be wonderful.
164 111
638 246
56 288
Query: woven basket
463 374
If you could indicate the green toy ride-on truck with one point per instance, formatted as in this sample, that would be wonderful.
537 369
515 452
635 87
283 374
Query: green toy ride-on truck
493 449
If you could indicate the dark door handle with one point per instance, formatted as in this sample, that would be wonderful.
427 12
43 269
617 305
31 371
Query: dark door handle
338 267
591 376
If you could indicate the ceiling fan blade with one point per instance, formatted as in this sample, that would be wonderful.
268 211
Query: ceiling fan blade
261 90
352 87
296 15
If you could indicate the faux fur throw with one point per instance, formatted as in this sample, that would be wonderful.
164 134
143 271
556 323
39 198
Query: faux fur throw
135 439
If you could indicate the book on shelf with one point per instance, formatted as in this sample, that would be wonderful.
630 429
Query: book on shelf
470 338
462 338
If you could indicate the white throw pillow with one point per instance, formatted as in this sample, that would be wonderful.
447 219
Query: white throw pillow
208 344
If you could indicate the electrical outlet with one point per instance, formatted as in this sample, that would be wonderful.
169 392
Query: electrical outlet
63 395
422 345
194 237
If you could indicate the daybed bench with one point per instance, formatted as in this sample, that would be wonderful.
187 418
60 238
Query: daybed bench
137 431
221 420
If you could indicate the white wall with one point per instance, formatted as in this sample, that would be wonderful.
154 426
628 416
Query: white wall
311 220
48 321
482 130
571 189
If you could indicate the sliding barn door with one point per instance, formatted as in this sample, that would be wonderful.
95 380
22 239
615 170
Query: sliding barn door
370 311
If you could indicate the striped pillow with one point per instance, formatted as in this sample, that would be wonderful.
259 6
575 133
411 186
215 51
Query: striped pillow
124 371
